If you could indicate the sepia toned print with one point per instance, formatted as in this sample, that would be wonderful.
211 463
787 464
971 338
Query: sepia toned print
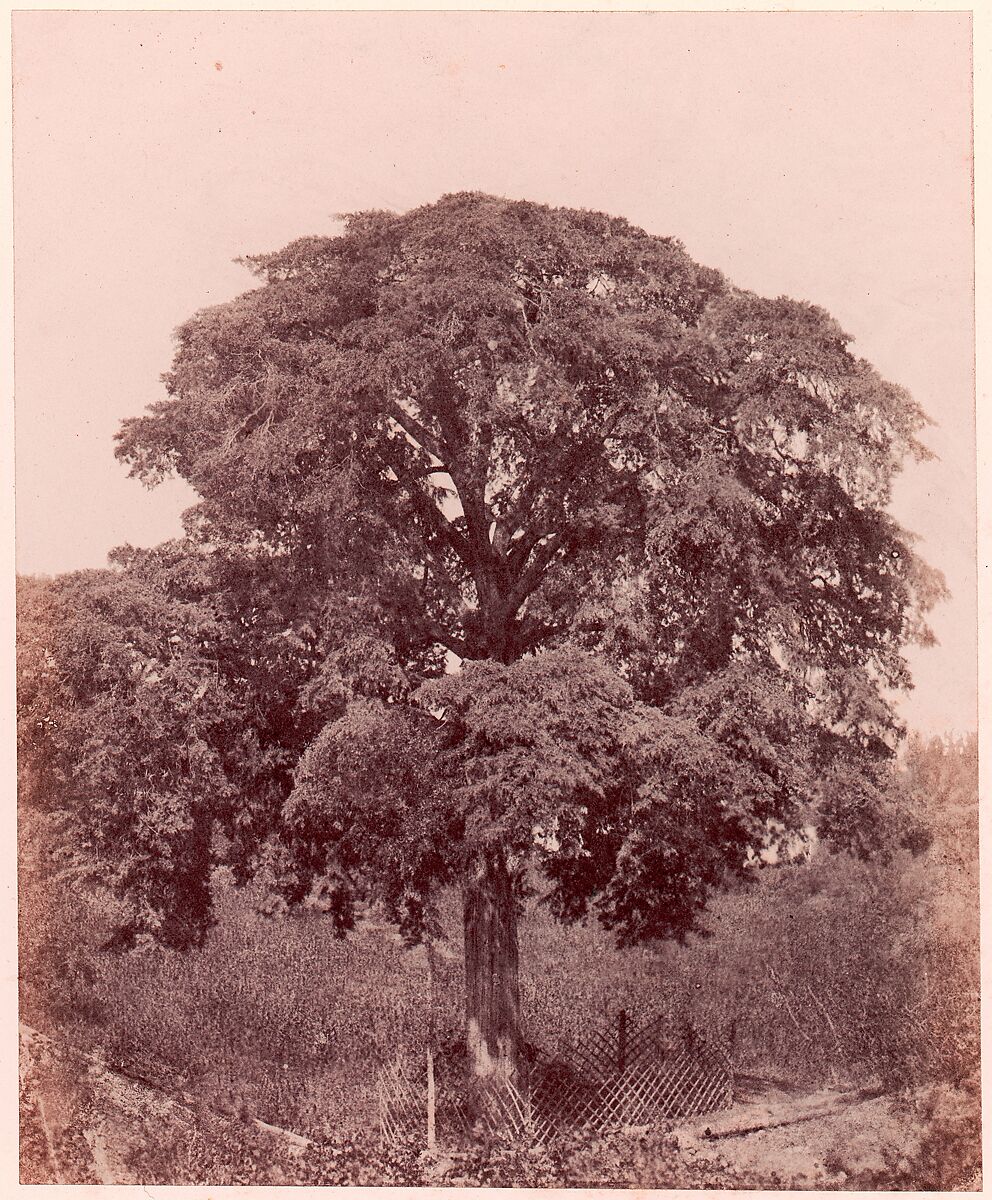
485 752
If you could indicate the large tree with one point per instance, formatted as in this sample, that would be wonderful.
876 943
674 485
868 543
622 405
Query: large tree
574 561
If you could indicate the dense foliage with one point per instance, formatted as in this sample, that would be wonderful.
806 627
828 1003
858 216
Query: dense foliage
645 508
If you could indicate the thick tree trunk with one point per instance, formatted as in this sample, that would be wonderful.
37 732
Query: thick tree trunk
492 990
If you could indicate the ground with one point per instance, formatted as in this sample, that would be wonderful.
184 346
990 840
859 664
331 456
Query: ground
88 1123
793 1134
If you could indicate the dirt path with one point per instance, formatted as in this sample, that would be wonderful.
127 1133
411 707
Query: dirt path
795 1136
105 1169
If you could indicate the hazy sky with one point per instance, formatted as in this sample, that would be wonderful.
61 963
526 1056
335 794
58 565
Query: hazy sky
822 156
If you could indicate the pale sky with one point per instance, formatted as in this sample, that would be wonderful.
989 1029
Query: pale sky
822 156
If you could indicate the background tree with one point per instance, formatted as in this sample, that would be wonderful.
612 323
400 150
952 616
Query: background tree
127 736
645 509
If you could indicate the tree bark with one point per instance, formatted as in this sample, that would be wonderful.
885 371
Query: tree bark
492 990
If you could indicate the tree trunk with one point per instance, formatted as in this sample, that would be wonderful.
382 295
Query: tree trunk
492 990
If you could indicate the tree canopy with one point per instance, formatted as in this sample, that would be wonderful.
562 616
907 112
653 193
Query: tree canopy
642 511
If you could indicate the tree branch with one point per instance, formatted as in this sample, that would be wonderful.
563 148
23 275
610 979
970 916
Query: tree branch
434 517
521 549
414 429
470 494
543 559
533 633
450 641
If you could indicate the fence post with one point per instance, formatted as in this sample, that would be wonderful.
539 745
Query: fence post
431 1094
732 1062
622 1041
622 1062
431 1127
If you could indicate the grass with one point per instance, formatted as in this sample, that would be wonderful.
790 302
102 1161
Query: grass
278 1018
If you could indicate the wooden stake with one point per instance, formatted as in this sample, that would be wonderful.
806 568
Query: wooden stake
431 1098
431 1131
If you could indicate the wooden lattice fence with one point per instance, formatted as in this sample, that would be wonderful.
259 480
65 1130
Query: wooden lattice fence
402 1101
626 1074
